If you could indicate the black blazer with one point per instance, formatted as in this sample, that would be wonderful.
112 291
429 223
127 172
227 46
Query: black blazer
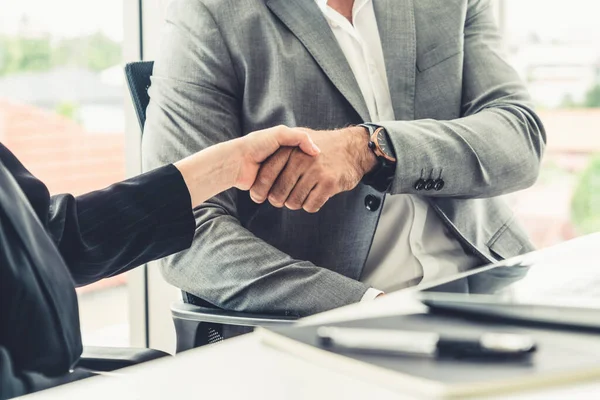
50 244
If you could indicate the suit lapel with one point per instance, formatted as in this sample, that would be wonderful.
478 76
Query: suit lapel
396 22
304 19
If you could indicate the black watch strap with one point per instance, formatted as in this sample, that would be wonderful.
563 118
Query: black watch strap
382 176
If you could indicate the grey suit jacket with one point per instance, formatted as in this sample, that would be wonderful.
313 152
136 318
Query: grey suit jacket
229 67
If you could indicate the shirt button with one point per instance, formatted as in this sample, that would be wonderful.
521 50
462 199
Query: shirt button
372 203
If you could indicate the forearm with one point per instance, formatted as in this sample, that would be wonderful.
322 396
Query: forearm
490 153
110 231
211 171
231 268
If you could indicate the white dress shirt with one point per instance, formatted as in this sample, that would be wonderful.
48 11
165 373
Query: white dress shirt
411 244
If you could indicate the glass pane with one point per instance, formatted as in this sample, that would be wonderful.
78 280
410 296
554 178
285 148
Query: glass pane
61 113
555 46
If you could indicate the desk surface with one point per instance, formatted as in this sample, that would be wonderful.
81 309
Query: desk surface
245 368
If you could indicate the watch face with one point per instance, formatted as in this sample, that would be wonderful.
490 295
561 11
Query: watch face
384 145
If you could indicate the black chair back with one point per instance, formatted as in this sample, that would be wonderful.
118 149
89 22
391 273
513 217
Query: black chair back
138 81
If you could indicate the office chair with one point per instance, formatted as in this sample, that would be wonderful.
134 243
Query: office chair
196 321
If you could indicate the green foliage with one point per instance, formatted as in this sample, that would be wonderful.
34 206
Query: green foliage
592 97
68 110
591 100
568 102
25 54
585 206
95 52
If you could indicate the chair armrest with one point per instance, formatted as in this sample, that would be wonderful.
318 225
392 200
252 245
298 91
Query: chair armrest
112 358
190 312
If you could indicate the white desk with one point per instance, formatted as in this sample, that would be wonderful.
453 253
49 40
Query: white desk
245 368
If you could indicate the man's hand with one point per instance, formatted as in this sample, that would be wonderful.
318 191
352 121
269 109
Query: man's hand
292 179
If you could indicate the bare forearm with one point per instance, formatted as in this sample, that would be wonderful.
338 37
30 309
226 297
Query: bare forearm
210 171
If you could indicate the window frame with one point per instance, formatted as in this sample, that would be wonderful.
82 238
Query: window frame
137 279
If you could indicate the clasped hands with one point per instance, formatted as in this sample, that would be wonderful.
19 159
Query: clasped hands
296 180
292 167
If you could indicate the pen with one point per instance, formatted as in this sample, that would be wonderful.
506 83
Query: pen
397 342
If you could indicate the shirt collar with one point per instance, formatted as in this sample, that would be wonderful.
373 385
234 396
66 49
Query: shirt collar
322 4
357 4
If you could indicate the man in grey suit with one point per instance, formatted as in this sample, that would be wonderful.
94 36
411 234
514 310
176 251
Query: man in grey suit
450 127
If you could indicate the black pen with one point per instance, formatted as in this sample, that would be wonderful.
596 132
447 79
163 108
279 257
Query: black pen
397 342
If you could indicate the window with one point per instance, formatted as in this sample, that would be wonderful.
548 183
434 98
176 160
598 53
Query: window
555 46
62 113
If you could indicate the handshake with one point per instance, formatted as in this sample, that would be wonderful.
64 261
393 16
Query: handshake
299 168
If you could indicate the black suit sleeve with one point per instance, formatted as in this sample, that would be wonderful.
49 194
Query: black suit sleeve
110 231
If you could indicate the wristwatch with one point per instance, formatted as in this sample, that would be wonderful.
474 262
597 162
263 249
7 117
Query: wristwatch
382 176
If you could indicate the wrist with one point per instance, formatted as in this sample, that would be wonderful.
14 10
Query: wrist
366 159
232 168
208 172
187 170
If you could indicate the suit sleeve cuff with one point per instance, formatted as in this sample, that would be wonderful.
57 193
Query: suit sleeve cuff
176 223
370 294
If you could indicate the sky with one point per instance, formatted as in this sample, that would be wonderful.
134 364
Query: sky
571 20
65 18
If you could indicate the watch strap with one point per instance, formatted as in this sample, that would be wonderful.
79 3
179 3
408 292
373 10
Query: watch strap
382 176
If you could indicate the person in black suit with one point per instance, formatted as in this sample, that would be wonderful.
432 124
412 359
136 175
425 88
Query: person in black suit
49 245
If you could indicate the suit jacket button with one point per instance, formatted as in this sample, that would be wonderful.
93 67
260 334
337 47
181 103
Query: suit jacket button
420 184
372 202
429 184
438 184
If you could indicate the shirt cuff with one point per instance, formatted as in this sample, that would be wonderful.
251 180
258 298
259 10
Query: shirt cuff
370 294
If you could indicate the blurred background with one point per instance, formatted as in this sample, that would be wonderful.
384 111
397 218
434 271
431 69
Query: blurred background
62 113
63 107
